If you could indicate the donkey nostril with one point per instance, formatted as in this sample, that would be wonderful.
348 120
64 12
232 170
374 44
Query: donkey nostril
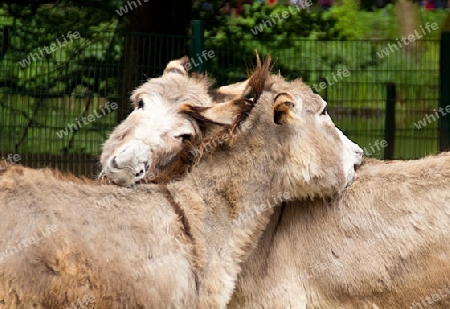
140 173
114 163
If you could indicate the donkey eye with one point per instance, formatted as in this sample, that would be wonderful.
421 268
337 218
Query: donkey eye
140 104
184 137
324 111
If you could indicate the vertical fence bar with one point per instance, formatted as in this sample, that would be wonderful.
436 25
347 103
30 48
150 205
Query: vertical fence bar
444 105
197 46
325 93
389 122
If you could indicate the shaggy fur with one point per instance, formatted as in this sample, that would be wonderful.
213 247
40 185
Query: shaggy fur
95 251
383 243
188 228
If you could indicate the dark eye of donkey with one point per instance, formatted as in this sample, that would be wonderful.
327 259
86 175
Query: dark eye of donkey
140 104
184 137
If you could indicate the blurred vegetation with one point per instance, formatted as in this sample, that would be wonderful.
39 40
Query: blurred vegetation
295 58
29 27
41 99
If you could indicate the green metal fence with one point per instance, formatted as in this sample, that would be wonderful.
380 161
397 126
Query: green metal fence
43 103
357 101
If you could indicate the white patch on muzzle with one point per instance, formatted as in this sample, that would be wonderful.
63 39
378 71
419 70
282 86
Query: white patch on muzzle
129 164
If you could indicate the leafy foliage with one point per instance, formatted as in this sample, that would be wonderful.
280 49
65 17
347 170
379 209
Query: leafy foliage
264 28
35 27
352 23
45 96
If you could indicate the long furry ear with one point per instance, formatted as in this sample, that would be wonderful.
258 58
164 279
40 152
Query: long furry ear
230 92
228 113
177 66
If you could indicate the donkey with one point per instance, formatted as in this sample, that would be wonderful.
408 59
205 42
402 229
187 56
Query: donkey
382 243
284 147
381 270
173 131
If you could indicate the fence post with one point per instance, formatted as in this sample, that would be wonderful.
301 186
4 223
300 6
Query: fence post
7 30
197 46
444 105
389 122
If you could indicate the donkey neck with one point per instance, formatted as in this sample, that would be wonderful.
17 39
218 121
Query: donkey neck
238 183
228 200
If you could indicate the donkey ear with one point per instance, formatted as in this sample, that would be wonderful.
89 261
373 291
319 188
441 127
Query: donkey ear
179 66
231 92
284 102
227 113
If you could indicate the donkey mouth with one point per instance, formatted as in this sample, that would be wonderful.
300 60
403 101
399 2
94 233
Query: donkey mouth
125 174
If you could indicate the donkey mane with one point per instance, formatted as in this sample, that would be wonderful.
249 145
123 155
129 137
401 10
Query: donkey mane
258 78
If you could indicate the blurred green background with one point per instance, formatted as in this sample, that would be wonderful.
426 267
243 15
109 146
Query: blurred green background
116 51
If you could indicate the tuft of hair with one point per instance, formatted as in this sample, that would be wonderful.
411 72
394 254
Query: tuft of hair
261 73
178 167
